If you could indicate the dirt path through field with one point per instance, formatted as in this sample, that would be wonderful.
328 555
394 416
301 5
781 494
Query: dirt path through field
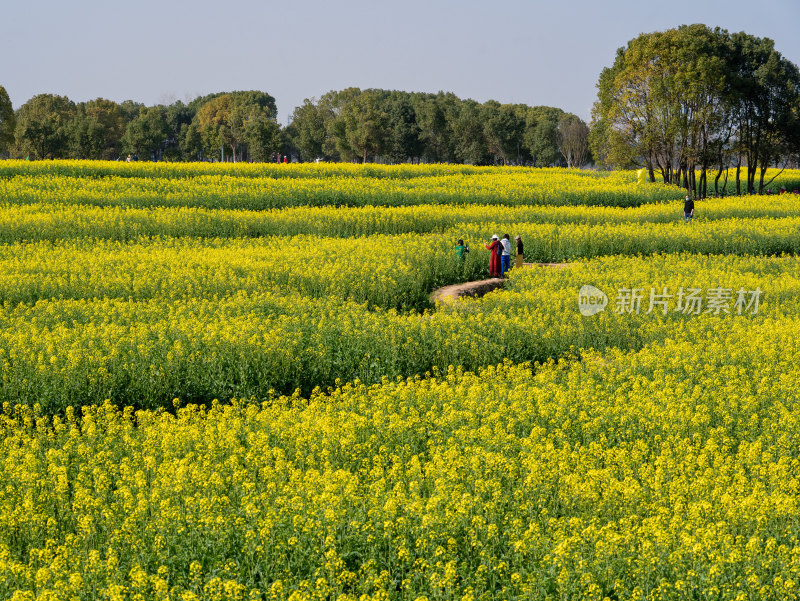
478 288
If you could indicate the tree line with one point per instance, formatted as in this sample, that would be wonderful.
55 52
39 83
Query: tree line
49 126
693 102
393 126
689 104
348 125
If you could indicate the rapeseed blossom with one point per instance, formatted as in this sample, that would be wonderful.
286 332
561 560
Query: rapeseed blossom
228 382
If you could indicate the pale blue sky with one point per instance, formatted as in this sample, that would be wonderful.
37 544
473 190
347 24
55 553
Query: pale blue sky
532 52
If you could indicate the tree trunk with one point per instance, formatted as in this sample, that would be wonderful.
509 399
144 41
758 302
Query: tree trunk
738 175
725 183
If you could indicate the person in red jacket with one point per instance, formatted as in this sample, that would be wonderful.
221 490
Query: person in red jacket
494 259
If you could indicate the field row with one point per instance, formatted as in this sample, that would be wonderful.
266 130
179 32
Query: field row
388 271
53 221
163 170
490 186
244 344
623 427
258 187
664 473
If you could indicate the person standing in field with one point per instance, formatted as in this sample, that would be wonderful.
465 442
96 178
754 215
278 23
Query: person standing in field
688 209
461 250
494 258
520 258
505 259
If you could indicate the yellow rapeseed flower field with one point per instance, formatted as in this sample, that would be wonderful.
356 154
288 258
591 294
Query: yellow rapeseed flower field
227 382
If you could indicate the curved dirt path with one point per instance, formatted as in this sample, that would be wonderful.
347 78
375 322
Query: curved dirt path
478 288
451 293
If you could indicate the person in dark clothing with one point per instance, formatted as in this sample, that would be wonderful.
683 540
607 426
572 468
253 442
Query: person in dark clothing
520 259
688 209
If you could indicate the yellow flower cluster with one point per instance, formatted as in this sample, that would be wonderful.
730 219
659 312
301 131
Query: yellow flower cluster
381 448
196 344
94 183
55 221
667 472
387 271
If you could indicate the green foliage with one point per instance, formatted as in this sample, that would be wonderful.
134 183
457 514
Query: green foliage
404 141
504 126
366 125
96 130
469 134
243 122
693 97
43 125
392 126
8 122
540 135
308 130
146 133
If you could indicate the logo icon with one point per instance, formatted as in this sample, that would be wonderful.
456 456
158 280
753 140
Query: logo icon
591 300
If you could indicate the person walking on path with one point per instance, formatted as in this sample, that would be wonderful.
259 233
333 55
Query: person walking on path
688 209
520 258
505 259
494 259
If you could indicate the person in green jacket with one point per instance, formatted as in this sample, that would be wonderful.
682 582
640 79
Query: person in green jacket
461 250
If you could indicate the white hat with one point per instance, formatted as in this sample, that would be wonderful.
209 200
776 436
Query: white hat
495 237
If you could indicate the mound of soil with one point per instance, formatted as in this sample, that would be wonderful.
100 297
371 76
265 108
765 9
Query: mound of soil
472 289
479 288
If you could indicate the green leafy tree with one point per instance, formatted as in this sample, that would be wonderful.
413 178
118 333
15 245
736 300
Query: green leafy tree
237 120
43 125
213 124
598 143
262 134
572 138
8 122
404 142
145 135
308 131
684 100
191 142
96 130
765 91
177 119
436 115
366 125
332 108
469 135
541 127
504 128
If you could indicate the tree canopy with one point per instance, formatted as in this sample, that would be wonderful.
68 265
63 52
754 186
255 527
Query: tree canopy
395 126
387 126
686 104
694 98
8 122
